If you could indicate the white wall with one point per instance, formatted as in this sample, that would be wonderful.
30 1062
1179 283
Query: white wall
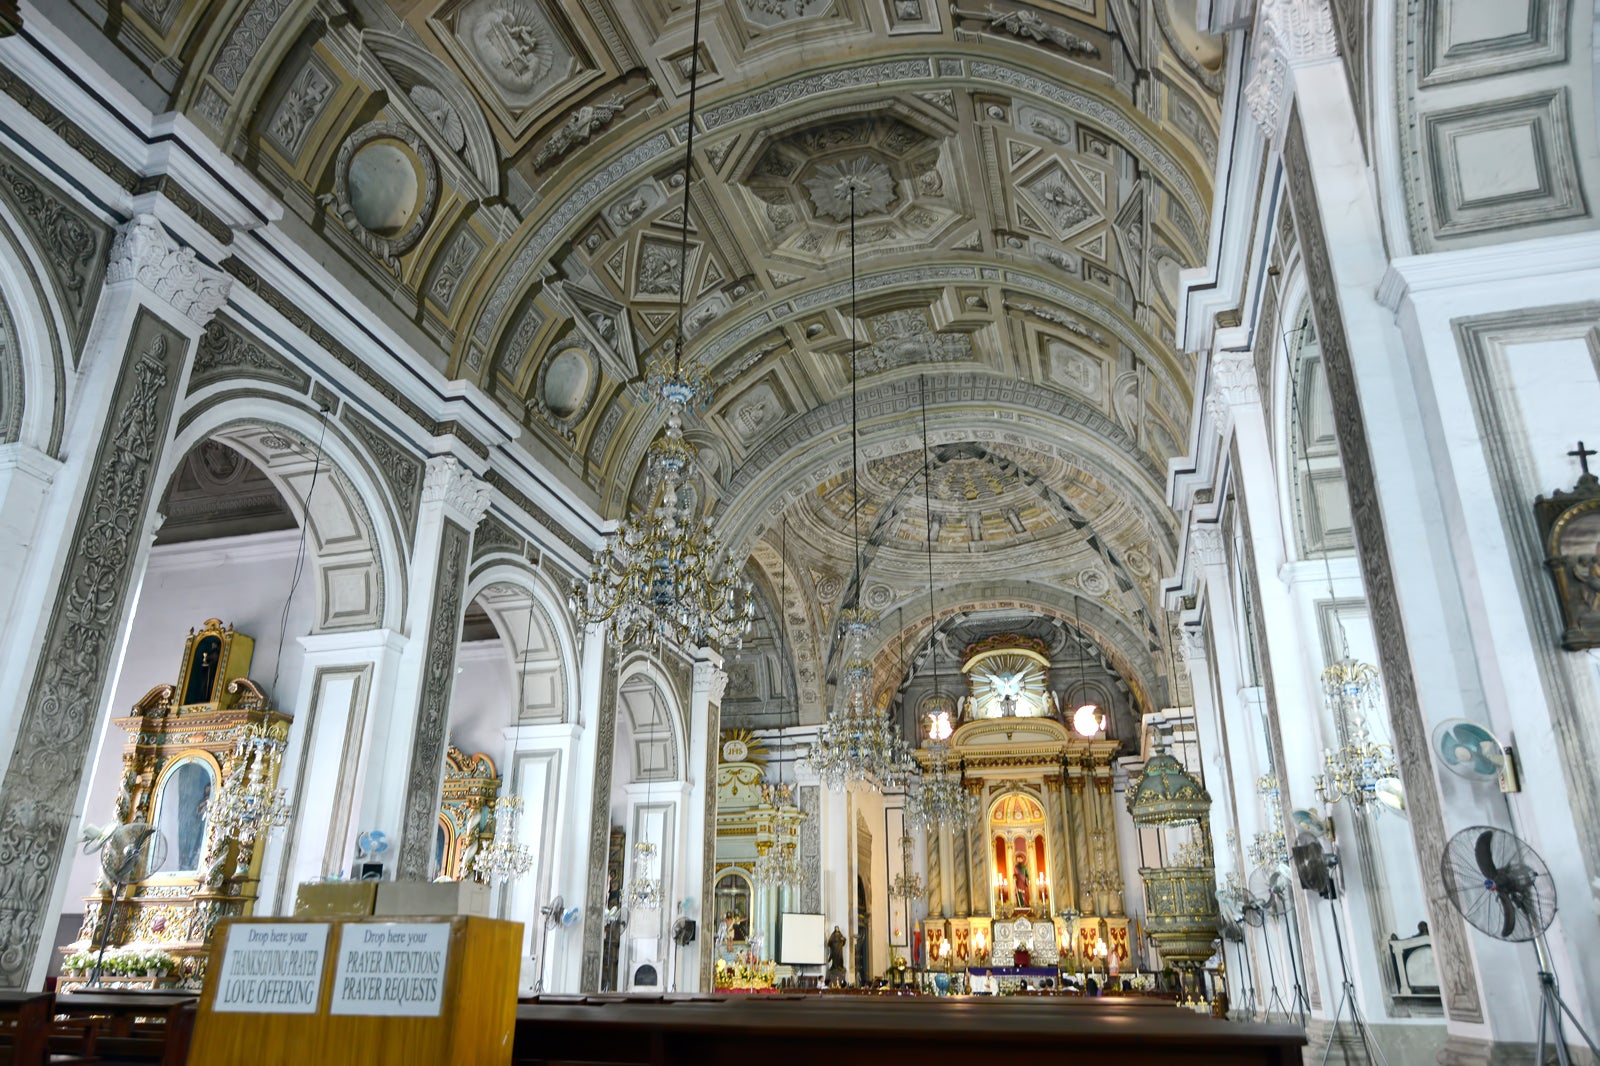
482 700
241 580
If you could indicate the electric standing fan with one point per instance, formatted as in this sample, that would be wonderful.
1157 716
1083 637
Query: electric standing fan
129 852
557 913
1268 897
1316 863
1503 889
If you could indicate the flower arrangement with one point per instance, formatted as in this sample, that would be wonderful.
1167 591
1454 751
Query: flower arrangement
744 973
131 960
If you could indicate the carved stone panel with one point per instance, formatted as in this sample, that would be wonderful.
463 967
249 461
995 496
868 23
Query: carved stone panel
78 649
1405 711
433 712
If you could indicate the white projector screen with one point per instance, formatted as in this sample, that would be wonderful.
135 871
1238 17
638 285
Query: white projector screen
801 941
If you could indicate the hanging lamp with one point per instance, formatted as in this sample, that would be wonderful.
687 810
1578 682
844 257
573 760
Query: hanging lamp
938 797
858 746
658 576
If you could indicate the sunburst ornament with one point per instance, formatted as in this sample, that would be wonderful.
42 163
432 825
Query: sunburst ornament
1009 683
832 183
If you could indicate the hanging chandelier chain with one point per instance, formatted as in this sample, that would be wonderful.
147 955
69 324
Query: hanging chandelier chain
927 517
688 166
855 439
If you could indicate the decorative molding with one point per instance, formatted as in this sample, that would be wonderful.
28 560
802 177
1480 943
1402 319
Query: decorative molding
1407 726
433 710
579 128
1544 162
226 353
388 249
70 243
1288 33
401 469
78 649
145 252
465 496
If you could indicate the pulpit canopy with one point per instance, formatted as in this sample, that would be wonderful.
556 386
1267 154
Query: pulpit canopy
1167 794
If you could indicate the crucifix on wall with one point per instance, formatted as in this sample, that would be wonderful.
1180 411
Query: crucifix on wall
1569 526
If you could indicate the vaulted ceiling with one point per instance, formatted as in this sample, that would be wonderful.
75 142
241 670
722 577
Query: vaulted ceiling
507 175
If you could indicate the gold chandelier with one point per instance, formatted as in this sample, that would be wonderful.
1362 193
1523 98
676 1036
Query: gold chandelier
1361 770
659 574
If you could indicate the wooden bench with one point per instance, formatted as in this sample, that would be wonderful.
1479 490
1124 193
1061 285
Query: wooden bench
24 1027
125 1027
866 1031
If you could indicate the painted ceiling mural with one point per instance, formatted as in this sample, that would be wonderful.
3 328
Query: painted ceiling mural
506 175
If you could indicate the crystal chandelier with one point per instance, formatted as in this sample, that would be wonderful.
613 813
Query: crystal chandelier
939 797
1269 847
778 821
1361 770
859 745
644 885
250 802
658 575
506 859
908 884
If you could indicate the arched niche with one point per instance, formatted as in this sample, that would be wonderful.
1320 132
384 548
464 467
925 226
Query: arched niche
534 651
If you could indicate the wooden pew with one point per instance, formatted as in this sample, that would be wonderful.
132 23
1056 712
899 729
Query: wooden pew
24 1027
866 1031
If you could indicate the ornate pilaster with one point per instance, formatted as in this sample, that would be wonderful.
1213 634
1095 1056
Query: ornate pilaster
1078 833
79 646
1062 881
594 909
961 871
453 502
1288 33
145 252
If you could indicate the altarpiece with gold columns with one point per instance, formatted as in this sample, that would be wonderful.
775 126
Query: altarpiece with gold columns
1034 878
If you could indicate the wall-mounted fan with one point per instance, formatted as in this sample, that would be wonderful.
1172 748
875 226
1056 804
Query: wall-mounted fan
558 914
1468 750
1503 888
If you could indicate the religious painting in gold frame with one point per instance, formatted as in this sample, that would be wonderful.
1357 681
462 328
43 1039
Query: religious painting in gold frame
1569 524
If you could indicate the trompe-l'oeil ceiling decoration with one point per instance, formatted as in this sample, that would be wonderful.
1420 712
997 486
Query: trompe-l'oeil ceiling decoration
1021 225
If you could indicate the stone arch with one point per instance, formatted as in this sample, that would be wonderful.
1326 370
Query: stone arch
33 343
651 715
536 632
1127 651
352 536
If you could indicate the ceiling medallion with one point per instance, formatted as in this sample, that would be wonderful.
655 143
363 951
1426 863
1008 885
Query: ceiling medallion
832 184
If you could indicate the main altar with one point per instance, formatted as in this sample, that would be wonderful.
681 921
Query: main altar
1034 877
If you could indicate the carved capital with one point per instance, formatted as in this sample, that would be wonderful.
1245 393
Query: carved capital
145 252
1233 384
1205 546
711 679
1194 644
465 496
1288 32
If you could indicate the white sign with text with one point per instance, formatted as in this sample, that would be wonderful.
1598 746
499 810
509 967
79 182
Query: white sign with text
272 968
391 968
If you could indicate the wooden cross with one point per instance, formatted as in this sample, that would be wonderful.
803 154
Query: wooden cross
1582 455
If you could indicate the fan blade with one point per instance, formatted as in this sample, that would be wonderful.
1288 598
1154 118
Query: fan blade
1510 910
1484 852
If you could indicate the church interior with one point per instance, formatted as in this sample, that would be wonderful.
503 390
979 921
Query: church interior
668 531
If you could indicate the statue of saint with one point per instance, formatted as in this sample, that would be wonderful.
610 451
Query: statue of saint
1019 881
836 956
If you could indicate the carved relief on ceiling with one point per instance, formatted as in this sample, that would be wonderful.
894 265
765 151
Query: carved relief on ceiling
796 186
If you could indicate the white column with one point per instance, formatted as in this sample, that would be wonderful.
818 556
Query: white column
563 968
345 681
700 809
396 787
